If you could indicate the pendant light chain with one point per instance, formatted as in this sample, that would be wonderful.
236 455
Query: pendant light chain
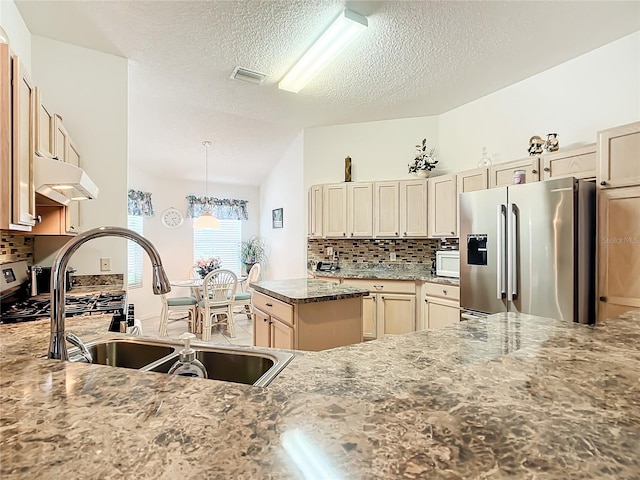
206 144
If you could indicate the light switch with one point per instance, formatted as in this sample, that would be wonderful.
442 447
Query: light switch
392 256
105 264
329 251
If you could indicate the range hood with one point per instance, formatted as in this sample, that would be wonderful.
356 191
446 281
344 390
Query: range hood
62 182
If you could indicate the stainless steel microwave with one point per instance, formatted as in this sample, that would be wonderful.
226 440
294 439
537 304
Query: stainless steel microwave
448 263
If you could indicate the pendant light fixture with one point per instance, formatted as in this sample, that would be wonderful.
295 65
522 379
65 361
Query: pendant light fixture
206 220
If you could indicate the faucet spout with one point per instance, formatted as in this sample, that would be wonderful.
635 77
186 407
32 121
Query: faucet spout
57 343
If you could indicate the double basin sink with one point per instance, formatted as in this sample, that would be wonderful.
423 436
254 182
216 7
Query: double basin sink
239 365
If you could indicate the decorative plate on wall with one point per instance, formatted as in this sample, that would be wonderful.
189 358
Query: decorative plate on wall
172 218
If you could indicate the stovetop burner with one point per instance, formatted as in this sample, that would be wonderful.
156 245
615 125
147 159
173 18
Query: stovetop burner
37 308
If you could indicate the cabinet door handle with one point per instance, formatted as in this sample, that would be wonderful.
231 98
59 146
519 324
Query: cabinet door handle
534 171
603 299
453 233
444 291
396 233
268 305
265 319
603 183
344 234
547 169
378 287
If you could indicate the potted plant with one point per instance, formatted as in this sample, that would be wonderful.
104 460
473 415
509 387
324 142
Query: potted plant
253 250
425 160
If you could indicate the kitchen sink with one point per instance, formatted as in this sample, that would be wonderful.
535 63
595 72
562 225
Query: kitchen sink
230 364
127 354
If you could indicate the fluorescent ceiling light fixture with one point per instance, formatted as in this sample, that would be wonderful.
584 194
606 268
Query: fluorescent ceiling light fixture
344 29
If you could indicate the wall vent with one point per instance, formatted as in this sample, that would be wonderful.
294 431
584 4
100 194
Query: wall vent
246 75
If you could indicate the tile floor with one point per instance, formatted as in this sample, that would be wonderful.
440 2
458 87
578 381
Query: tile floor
219 334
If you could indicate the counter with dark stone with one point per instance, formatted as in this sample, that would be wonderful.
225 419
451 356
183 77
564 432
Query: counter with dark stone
513 396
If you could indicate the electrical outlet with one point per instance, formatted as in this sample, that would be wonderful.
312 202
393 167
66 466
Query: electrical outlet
105 264
392 257
329 251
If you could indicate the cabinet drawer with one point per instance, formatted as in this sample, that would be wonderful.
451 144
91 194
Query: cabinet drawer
271 306
451 292
382 286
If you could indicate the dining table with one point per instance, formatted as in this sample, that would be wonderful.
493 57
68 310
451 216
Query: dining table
195 284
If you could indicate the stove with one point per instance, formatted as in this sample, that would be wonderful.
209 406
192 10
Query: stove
17 306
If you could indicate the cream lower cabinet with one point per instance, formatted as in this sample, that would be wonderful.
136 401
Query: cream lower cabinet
390 308
306 326
618 251
440 305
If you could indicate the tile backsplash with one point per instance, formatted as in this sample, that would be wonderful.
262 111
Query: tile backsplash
14 248
378 250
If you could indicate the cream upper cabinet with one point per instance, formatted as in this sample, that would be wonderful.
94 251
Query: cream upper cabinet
60 139
360 210
413 208
619 156
443 206
576 162
618 251
386 209
334 210
472 180
73 210
315 211
17 102
44 129
501 175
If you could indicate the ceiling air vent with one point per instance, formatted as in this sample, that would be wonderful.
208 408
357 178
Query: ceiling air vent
246 75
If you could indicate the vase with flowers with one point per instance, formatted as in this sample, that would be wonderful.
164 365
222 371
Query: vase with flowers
424 161
206 265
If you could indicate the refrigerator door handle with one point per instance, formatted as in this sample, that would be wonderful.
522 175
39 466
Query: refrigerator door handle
512 253
500 254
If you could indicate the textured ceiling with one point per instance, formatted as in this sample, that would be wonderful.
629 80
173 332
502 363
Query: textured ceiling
416 58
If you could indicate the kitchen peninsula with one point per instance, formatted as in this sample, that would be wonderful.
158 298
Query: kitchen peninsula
513 396
306 314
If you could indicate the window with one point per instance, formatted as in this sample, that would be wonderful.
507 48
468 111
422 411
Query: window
223 242
134 254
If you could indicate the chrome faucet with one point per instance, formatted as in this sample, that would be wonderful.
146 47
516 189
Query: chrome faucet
57 344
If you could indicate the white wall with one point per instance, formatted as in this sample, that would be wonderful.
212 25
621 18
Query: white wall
283 188
598 90
19 34
89 89
176 245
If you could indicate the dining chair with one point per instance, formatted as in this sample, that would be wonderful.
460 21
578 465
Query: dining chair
177 305
193 274
219 290
243 299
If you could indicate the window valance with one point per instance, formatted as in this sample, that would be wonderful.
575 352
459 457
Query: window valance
221 208
139 204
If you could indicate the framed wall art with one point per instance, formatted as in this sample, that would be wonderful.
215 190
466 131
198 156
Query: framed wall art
276 218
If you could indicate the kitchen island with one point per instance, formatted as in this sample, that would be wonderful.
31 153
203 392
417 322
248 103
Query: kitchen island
305 314
513 396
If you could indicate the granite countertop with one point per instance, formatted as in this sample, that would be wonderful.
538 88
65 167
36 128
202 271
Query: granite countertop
382 273
513 396
305 290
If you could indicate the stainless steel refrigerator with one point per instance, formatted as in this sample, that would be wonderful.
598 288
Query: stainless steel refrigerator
530 248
